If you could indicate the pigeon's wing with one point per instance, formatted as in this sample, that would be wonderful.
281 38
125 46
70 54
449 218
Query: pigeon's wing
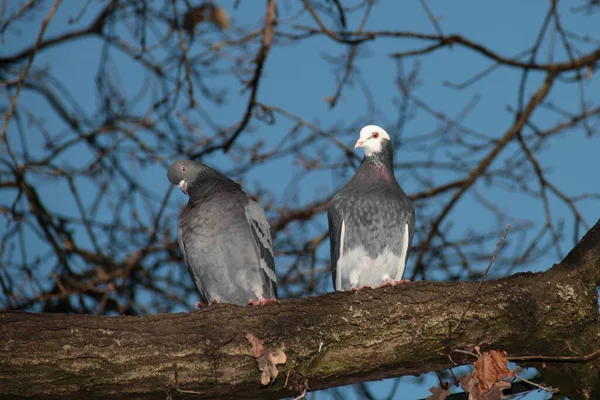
411 227
403 244
407 221
336 238
221 256
400 225
259 226
193 271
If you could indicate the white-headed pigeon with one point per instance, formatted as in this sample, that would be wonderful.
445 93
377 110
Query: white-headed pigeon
224 237
371 220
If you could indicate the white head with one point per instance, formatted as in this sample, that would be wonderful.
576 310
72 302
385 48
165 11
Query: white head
371 137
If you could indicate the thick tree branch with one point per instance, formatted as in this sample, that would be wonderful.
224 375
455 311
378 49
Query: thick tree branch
335 339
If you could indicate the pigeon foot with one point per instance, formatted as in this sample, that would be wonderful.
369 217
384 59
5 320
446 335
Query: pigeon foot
262 301
357 289
392 282
200 304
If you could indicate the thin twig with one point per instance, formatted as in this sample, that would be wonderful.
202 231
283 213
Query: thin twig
556 390
186 61
329 33
301 396
188 391
469 353
261 57
432 18
352 53
476 173
569 359
483 277
21 81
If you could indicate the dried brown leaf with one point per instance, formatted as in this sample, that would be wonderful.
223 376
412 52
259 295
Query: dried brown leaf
267 360
220 18
485 382
205 12
467 383
490 368
438 393
278 357
257 346
496 392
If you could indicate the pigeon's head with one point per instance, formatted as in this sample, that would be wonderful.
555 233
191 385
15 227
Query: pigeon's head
183 172
371 139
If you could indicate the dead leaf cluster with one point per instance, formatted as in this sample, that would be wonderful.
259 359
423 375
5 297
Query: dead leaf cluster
205 12
486 382
438 393
267 360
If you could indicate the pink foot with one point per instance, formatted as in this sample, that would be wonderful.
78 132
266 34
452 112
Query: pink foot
391 282
357 289
199 304
262 301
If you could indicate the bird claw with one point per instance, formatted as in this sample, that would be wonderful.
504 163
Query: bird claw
200 304
262 301
357 289
392 282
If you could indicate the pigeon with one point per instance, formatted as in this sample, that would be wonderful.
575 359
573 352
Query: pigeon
224 237
371 220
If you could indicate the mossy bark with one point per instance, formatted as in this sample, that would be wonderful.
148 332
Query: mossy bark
330 340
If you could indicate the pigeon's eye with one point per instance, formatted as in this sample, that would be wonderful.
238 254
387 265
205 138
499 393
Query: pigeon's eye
183 168
375 135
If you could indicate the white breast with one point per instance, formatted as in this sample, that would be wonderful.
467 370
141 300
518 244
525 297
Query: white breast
355 268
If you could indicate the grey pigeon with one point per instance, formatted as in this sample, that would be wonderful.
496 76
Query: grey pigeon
224 237
371 220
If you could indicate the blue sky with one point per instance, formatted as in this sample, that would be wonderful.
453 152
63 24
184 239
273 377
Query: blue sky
298 79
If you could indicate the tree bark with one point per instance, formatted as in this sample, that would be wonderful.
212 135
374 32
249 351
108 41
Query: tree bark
331 340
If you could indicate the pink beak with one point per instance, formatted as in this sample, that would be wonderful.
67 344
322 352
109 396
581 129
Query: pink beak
359 143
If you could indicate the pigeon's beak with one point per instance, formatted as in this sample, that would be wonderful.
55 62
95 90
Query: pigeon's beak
183 186
359 143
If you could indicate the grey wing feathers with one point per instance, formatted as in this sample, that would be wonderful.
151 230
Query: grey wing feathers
409 218
335 222
257 220
411 228
406 224
193 273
